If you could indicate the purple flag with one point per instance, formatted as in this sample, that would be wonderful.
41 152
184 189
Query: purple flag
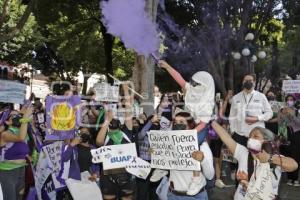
61 117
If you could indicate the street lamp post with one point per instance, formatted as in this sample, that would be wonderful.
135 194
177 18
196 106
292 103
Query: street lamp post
33 53
248 52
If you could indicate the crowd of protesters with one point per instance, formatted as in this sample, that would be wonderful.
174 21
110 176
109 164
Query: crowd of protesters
245 124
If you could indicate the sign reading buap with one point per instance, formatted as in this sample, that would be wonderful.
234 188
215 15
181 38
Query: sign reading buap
291 86
173 149
114 156
106 92
12 92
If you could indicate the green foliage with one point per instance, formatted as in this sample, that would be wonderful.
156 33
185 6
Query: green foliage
18 49
290 50
73 30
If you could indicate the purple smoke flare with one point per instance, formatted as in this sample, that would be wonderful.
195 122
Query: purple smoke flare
128 20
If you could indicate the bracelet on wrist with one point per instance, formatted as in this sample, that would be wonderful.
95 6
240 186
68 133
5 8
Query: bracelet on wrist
25 120
270 159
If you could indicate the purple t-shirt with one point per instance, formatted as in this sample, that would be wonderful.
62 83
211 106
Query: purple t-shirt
14 150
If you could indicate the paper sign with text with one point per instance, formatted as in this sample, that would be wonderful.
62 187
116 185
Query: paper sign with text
12 92
291 86
99 153
53 155
138 167
106 92
114 156
261 186
84 189
173 149
276 106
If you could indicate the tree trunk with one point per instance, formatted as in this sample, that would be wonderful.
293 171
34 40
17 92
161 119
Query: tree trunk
108 46
275 72
144 68
84 85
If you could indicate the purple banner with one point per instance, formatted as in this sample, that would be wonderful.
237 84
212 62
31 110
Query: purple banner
61 117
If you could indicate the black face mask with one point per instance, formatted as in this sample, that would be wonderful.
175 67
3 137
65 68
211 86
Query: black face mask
85 138
16 121
177 127
155 127
271 98
248 85
135 129
114 124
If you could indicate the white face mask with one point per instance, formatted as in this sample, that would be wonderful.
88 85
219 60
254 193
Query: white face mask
196 92
254 145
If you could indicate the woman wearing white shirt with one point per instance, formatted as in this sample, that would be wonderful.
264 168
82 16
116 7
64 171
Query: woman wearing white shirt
255 168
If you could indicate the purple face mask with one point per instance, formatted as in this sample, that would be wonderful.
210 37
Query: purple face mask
290 103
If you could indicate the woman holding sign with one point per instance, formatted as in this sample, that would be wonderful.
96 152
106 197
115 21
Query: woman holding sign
117 183
259 173
199 100
13 153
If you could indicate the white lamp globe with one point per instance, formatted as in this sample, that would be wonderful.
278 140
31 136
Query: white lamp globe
246 52
262 54
249 36
253 58
236 55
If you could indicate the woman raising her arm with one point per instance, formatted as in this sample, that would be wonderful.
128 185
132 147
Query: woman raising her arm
252 160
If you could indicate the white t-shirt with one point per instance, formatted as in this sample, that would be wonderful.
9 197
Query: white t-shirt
182 179
241 154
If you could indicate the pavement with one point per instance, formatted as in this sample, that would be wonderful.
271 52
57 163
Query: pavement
286 192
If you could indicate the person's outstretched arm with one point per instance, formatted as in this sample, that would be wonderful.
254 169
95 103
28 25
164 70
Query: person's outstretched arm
224 136
176 76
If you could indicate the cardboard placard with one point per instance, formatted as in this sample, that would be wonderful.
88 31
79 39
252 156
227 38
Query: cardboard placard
138 167
276 106
84 189
106 92
12 92
173 149
114 156
291 86
62 116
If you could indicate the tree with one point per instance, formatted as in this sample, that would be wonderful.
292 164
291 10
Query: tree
19 32
211 30
78 38
13 18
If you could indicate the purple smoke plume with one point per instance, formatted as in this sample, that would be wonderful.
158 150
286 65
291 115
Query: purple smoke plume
128 20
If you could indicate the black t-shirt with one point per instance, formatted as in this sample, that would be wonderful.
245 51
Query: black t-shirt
84 158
